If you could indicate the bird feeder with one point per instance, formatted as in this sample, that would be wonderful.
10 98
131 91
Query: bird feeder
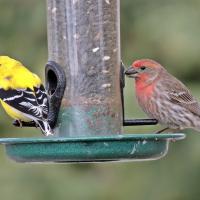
84 79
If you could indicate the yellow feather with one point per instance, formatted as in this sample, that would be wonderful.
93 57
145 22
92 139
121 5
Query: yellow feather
14 113
14 75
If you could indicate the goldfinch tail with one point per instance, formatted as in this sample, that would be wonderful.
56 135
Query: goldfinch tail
45 128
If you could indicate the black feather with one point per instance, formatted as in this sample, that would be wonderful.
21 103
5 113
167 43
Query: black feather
26 101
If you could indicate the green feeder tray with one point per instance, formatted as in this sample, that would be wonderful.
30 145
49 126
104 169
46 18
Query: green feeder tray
90 149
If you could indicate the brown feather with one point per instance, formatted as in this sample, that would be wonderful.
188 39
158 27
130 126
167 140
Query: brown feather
180 95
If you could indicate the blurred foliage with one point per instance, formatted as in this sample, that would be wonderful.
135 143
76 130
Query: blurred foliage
167 31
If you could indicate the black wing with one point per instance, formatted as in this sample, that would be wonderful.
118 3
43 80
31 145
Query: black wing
24 101
42 100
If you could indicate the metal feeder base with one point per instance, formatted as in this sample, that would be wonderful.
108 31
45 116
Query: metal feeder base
90 149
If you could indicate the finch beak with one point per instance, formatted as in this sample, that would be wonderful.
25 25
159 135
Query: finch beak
131 72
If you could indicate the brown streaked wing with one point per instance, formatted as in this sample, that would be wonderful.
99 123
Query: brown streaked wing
180 95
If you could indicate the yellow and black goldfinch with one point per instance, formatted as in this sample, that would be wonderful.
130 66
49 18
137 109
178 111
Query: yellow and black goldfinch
22 94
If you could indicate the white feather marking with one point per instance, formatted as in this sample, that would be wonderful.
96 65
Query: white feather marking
30 99
43 92
40 91
40 97
28 92
14 97
36 109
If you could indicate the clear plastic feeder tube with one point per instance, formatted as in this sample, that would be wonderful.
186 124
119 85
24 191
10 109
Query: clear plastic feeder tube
84 38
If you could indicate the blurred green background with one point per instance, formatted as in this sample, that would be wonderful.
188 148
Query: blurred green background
167 31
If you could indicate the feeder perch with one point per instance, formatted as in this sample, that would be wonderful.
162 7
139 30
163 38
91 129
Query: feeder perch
85 83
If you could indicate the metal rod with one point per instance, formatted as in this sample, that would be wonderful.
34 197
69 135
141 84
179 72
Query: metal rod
139 122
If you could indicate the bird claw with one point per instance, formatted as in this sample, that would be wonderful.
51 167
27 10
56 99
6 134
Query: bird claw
173 140
162 130
19 123
49 134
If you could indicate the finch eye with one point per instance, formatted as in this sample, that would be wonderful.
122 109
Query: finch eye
143 68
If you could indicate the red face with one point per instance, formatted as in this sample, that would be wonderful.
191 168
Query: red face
143 69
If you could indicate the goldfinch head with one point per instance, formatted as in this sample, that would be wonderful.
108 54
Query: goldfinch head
14 75
8 63
8 66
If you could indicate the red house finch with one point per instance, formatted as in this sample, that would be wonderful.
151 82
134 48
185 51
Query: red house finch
163 97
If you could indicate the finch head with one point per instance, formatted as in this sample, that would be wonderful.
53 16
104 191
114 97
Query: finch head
143 70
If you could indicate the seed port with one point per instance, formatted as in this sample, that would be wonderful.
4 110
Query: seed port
52 82
55 86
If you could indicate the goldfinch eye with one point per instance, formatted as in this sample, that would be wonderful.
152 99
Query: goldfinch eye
143 68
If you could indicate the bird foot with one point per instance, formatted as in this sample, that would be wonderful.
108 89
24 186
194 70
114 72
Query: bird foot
49 134
162 130
19 123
